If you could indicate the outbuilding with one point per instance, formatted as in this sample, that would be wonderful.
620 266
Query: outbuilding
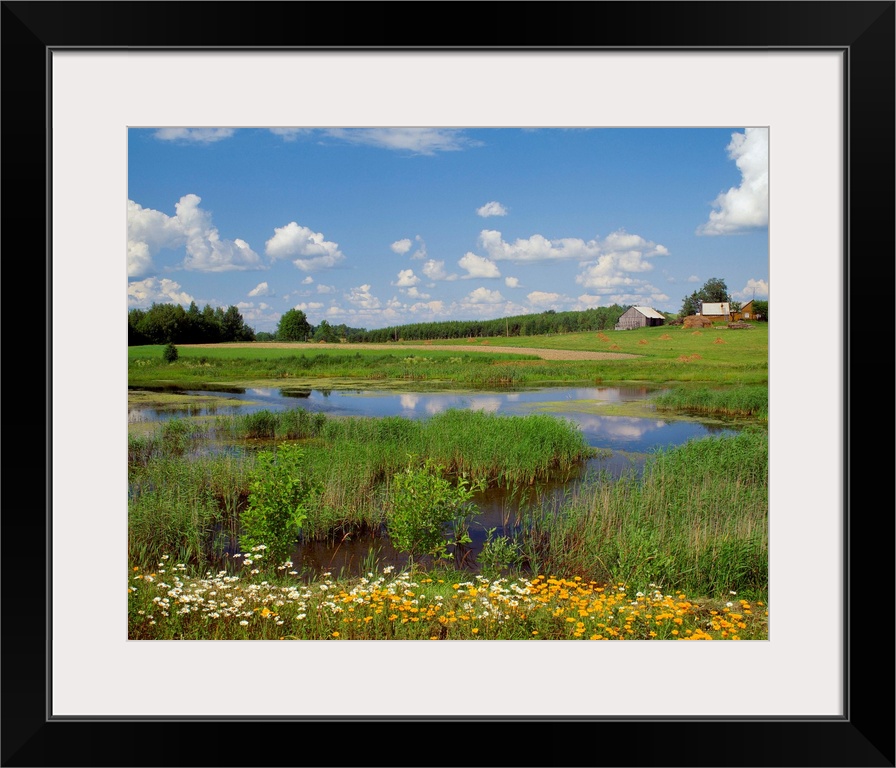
716 310
748 312
639 317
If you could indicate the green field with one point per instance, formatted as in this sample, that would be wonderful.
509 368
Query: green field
666 355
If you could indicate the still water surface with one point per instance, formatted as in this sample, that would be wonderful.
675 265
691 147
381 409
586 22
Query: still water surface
581 405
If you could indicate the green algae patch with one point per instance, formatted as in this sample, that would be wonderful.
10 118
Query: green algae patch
174 400
638 409
374 386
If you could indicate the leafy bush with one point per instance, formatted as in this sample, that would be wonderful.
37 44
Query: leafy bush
170 353
424 506
499 554
281 490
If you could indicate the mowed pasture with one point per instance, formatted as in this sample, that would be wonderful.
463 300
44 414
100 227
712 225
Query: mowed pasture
661 355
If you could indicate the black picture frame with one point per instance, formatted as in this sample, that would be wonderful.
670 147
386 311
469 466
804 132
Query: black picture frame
864 736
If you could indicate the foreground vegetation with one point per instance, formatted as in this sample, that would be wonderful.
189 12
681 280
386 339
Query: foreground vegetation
678 550
694 522
167 603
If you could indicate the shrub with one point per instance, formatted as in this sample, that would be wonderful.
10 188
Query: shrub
423 507
281 491
170 353
499 554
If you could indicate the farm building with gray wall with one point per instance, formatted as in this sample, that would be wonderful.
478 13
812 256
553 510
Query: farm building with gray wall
639 317
720 310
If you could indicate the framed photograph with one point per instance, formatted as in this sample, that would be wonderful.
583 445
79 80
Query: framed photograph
817 77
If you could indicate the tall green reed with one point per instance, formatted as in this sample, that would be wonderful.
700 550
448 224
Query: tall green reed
696 520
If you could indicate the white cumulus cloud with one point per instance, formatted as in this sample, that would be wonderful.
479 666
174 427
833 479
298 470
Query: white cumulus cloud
746 206
484 296
361 297
431 307
142 293
401 246
148 232
191 228
420 253
308 250
543 297
536 248
753 289
621 255
206 250
492 208
262 289
435 270
512 282
478 266
406 278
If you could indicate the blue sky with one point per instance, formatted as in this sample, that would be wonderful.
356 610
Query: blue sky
379 227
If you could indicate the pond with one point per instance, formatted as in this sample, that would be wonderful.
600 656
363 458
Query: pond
626 441
582 405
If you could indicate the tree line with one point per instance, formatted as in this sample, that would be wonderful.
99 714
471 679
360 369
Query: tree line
294 326
550 321
172 324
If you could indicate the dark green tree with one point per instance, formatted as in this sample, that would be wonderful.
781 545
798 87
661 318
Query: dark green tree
713 291
293 326
761 310
233 328
325 332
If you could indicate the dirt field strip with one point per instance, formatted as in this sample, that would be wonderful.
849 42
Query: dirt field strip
544 354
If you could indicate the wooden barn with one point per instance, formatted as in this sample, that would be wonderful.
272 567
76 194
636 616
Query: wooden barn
748 312
639 317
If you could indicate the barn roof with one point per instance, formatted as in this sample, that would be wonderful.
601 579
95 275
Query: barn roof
650 312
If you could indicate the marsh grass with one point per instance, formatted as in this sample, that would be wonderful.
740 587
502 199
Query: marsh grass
186 508
180 503
744 402
696 520
174 438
